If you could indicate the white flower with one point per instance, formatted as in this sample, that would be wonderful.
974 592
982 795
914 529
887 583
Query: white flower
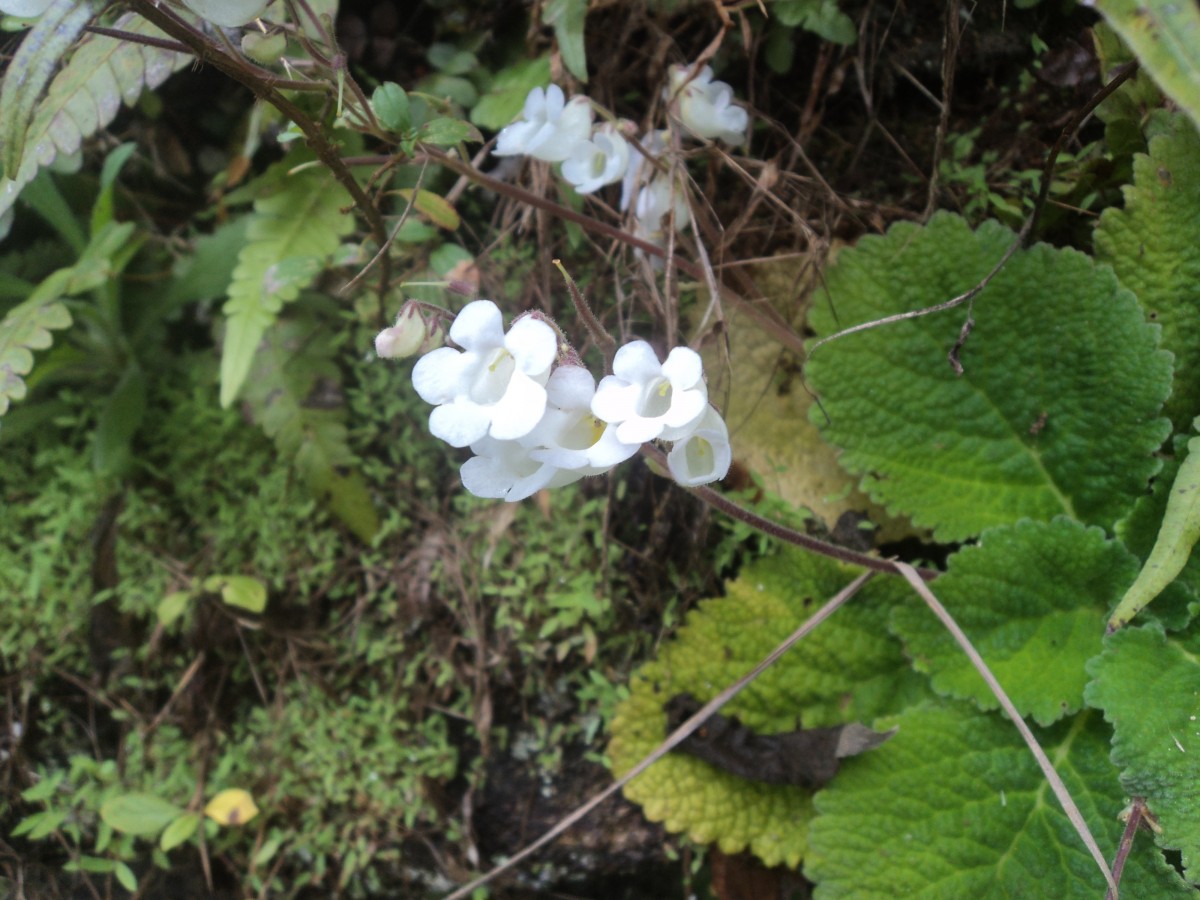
600 161
704 455
496 385
549 128
24 9
706 107
654 202
504 470
647 399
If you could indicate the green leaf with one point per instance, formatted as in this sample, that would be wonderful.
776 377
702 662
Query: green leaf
179 831
567 17
506 94
293 230
121 417
29 71
447 132
242 591
26 328
1165 35
1032 597
1151 245
955 806
1146 684
822 17
846 670
439 210
102 209
1055 414
206 272
125 876
87 93
171 607
449 59
1179 533
289 393
139 814
390 103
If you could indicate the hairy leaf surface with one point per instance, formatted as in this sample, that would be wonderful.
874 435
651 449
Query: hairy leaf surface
1148 685
848 669
1152 246
1057 412
955 806
294 229
1033 599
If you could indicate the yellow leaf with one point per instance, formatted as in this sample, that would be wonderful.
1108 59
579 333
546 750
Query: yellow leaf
231 807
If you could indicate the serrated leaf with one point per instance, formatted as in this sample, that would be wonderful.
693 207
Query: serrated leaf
506 95
1151 245
1147 684
179 831
1032 598
292 231
87 93
568 17
1165 35
1055 414
294 365
846 670
232 806
27 328
439 210
139 814
955 806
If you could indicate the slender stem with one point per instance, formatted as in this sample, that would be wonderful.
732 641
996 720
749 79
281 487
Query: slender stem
605 340
1136 810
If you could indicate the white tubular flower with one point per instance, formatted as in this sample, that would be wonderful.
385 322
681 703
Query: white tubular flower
496 385
600 161
646 399
706 107
569 435
703 456
504 470
549 128
654 202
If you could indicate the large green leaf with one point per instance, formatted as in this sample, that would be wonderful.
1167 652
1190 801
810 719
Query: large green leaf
87 94
1152 245
846 670
1056 412
295 395
1165 35
294 229
567 17
1148 685
955 806
1032 598
141 814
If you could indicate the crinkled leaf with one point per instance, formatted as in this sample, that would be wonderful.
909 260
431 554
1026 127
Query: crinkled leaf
295 395
1148 685
846 670
1152 246
86 95
506 95
955 806
27 328
1165 35
295 227
1056 412
1178 535
567 17
1032 598
139 814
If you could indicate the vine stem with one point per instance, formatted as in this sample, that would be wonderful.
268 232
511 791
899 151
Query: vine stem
263 85
675 738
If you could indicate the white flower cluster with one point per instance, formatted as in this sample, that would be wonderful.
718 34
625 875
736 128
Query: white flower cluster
555 130
535 418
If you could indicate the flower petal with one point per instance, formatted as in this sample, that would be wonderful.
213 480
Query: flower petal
534 345
684 368
459 423
479 326
570 387
616 400
636 362
440 375
519 410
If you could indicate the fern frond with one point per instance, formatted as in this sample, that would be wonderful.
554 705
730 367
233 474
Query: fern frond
27 328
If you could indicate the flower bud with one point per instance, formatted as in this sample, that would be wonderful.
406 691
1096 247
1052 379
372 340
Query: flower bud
407 337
